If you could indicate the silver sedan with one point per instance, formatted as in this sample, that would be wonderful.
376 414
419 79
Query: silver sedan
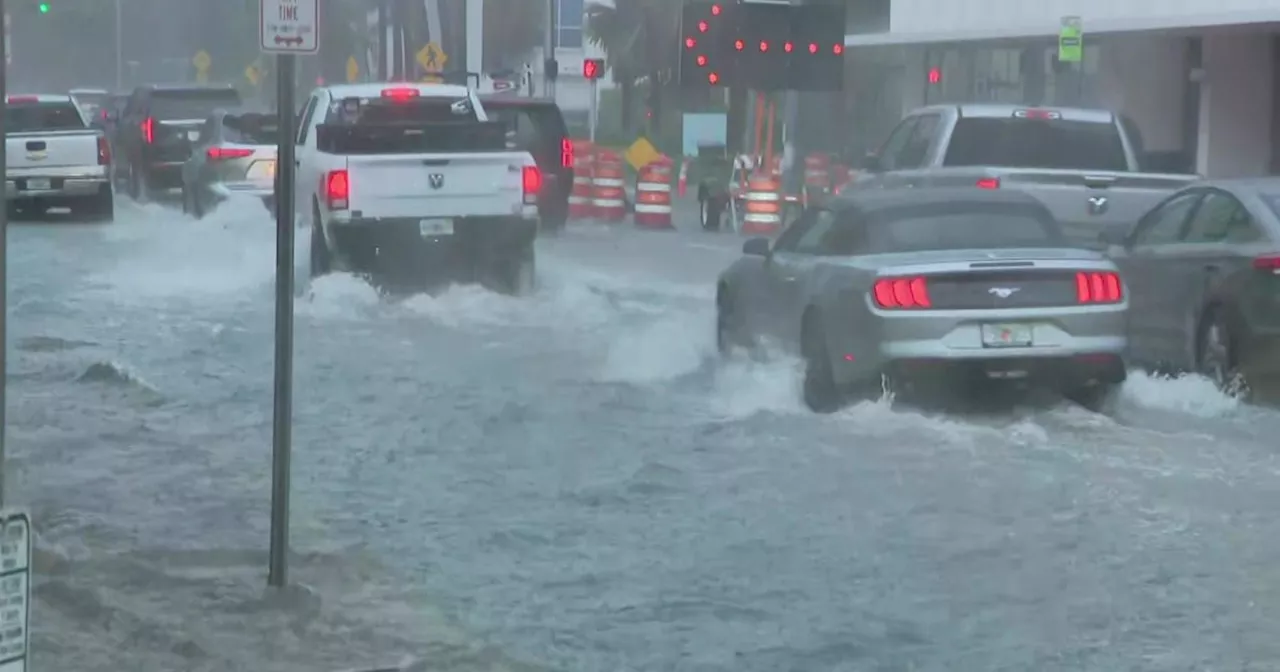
928 289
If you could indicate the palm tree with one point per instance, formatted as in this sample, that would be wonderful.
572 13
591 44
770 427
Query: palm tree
640 40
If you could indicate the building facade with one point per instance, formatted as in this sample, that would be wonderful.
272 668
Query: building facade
1198 78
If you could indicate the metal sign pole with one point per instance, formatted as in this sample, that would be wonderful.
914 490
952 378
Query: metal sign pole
282 419
593 113
4 265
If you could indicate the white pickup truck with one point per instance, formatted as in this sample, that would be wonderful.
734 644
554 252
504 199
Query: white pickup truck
412 185
55 160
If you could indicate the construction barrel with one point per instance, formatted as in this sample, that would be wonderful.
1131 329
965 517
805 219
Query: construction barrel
762 209
608 198
653 195
580 198
817 176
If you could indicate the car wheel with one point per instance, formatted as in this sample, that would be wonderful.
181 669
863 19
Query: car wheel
1095 398
731 332
321 259
821 393
1218 359
517 273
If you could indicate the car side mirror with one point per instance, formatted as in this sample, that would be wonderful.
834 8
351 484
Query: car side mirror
871 162
756 247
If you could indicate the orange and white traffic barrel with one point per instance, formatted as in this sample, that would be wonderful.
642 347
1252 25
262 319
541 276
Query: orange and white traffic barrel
580 197
684 177
817 174
762 207
653 195
608 199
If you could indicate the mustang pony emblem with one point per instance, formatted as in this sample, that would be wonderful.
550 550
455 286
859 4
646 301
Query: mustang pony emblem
1003 292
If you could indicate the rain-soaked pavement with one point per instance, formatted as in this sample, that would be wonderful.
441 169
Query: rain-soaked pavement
572 481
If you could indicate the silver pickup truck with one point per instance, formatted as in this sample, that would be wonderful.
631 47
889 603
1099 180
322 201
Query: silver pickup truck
1082 164
55 160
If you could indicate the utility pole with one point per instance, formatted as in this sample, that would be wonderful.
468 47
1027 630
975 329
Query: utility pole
384 46
549 64
397 41
119 47
4 268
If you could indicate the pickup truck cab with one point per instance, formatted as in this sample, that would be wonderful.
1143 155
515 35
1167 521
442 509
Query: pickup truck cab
156 130
412 184
54 159
1082 164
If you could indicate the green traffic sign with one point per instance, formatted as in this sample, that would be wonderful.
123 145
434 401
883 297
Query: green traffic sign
1071 40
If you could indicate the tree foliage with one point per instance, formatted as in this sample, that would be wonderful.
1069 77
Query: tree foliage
511 29
640 39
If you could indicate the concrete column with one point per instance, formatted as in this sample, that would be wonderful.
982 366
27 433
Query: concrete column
1235 105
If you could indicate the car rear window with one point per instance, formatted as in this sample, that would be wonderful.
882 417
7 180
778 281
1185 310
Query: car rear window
176 104
33 117
962 226
1014 142
427 110
251 128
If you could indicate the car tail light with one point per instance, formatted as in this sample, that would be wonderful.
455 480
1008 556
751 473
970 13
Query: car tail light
989 183
400 94
902 293
531 184
1269 263
1098 287
566 153
148 127
337 189
104 152
224 153
104 115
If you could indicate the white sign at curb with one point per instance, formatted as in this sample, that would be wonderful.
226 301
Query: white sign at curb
290 26
15 589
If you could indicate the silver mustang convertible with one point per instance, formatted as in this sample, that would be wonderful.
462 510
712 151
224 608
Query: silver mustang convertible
930 288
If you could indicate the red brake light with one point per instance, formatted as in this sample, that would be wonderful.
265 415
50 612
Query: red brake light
103 114
1269 263
337 189
566 153
531 184
1037 114
400 95
222 153
104 151
22 99
989 183
148 127
902 293
1098 287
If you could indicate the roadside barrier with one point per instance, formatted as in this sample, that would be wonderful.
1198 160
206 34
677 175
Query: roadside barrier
653 195
762 209
608 198
580 197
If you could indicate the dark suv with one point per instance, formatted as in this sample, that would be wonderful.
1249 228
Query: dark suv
156 130
538 127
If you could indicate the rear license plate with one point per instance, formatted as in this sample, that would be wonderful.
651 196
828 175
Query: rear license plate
435 227
39 185
1006 335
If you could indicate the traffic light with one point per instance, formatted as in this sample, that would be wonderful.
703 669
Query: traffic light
44 8
592 68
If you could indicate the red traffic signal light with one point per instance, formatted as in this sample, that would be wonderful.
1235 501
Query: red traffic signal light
935 75
592 68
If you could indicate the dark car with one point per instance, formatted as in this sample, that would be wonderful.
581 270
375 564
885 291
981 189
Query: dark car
156 131
538 127
1204 266
235 154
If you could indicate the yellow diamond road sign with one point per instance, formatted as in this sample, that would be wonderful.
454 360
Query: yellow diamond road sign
201 60
641 153
353 69
252 74
432 58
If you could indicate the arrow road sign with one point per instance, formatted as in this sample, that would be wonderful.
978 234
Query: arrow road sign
290 26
